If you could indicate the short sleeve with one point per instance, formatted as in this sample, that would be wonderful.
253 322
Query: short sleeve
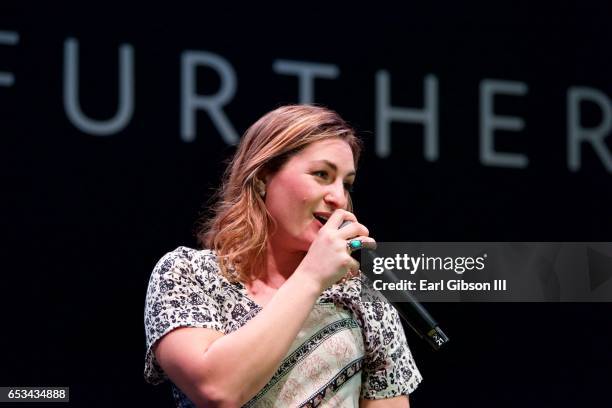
181 293
389 368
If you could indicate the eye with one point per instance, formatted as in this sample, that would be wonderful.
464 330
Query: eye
321 173
348 187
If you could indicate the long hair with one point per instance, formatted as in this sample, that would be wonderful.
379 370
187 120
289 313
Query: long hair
240 224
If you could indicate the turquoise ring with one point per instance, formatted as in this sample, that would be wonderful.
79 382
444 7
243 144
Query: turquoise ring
354 245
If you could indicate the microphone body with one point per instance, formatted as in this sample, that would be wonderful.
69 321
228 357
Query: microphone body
414 313
411 311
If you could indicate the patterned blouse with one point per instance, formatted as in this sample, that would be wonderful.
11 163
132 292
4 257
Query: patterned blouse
347 349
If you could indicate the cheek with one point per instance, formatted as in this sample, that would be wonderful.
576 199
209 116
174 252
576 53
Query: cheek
292 206
297 193
294 192
286 197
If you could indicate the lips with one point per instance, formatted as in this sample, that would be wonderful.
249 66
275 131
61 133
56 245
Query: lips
321 217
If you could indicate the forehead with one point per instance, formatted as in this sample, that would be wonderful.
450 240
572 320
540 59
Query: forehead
336 151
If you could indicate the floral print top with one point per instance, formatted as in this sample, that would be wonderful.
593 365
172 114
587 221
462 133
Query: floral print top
347 349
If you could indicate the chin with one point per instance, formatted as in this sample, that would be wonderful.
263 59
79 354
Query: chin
306 242
303 240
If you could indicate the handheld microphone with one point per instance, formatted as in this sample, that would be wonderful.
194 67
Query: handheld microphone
411 311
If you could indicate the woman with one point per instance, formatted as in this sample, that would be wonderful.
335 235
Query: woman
270 313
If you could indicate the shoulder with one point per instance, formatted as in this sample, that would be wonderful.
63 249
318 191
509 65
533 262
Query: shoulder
186 255
186 268
184 260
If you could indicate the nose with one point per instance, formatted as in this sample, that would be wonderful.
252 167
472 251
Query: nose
336 195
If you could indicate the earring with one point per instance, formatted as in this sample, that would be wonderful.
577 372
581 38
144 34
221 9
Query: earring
260 187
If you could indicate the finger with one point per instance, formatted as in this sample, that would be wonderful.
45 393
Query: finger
366 243
338 217
352 230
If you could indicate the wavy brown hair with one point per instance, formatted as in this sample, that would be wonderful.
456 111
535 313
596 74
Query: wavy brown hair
239 224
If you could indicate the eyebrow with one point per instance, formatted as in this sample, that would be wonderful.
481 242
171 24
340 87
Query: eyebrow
334 167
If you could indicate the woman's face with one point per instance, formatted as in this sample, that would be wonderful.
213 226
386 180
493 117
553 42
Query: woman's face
306 190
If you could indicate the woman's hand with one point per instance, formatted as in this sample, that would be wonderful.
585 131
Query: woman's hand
328 258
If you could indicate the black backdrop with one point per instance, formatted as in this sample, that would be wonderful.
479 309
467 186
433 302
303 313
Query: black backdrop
86 217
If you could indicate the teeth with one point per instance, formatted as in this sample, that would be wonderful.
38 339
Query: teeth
321 218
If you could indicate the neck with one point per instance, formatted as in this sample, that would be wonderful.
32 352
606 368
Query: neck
280 265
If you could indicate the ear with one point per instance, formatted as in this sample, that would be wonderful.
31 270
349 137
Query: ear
260 187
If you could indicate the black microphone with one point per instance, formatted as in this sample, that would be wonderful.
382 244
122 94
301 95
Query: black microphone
411 311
